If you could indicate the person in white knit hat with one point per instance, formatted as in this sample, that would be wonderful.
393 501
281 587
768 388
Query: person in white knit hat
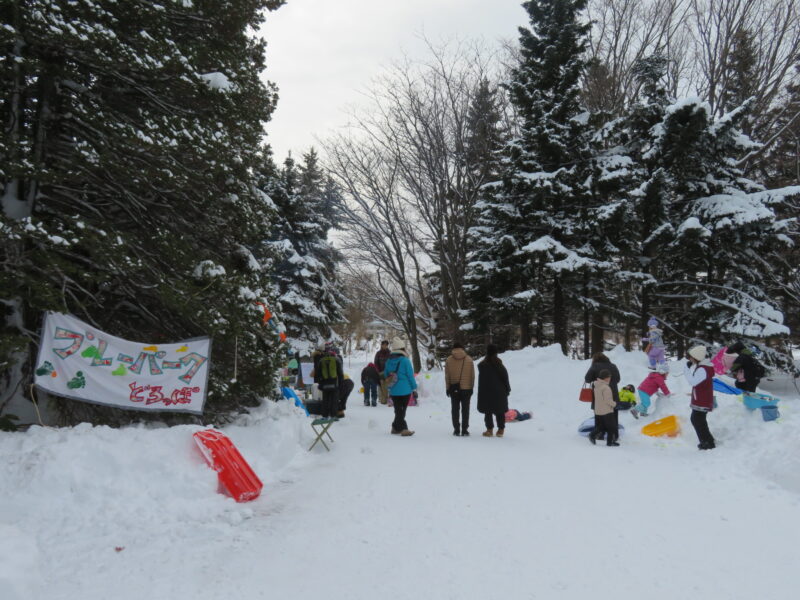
699 372
399 376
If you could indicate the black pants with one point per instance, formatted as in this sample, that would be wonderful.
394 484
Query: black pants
606 425
700 424
400 405
460 402
499 416
747 386
344 393
613 419
330 402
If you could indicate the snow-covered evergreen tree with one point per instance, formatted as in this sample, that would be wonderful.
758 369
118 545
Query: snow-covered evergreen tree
705 235
533 231
304 268
132 129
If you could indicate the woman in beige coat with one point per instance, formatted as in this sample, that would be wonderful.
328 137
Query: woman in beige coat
604 421
459 379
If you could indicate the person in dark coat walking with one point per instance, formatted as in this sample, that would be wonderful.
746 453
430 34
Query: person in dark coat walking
493 391
600 362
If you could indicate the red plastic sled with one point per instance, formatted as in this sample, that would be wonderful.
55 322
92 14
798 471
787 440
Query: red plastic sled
235 475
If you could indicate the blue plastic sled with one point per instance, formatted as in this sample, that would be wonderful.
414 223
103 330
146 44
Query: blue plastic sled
586 427
723 388
290 394
753 401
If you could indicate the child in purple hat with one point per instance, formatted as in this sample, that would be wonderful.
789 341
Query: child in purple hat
655 344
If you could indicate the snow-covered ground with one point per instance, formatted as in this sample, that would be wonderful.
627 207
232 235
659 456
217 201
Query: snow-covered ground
92 513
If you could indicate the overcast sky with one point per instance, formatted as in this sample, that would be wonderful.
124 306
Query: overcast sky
321 53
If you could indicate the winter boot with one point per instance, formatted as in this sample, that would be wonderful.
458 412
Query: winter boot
488 433
374 403
406 433
635 413
500 432
464 433
340 414
456 432
592 438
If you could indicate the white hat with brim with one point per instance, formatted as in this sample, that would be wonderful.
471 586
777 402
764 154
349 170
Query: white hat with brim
698 353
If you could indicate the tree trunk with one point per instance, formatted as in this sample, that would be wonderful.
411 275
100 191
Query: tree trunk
586 327
627 341
559 315
539 331
598 332
413 341
525 330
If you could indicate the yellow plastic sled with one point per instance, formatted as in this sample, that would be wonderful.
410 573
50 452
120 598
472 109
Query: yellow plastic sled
669 426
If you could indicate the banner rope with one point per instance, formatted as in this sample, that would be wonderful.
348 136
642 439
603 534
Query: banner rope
36 405
236 358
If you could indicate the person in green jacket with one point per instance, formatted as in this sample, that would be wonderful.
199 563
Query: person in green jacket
627 399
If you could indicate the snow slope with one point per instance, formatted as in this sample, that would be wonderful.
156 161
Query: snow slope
96 513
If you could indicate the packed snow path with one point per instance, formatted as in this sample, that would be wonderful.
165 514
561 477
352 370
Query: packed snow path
539 514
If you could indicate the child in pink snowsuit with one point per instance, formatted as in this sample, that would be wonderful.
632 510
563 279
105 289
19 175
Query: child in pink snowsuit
653 383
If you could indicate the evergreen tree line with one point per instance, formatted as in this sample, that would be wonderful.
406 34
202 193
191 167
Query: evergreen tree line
138 193
597 219
566 189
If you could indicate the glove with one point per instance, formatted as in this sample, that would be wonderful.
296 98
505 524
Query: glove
689 364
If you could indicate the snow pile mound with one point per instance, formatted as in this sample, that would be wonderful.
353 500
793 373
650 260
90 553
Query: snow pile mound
97 490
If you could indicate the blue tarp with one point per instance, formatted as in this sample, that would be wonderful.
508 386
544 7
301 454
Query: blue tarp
724 388
290 394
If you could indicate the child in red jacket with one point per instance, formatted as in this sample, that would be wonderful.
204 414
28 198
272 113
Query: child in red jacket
654 382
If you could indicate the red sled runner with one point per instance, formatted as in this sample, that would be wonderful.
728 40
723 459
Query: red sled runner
235 475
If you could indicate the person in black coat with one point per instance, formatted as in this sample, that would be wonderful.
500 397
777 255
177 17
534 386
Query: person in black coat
371 380
493 391
600 362
751 369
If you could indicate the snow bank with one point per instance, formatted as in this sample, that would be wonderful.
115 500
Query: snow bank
98 491
93 512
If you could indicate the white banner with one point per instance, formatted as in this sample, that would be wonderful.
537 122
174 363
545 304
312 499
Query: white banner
81 362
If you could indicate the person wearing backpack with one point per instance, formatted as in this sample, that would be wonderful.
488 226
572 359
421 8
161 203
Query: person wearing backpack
329 376
459 380
399 376
746 369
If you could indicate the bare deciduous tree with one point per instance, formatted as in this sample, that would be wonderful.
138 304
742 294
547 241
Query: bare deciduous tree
381 232
427 142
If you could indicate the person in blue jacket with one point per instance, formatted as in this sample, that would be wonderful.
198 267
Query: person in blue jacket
399 375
